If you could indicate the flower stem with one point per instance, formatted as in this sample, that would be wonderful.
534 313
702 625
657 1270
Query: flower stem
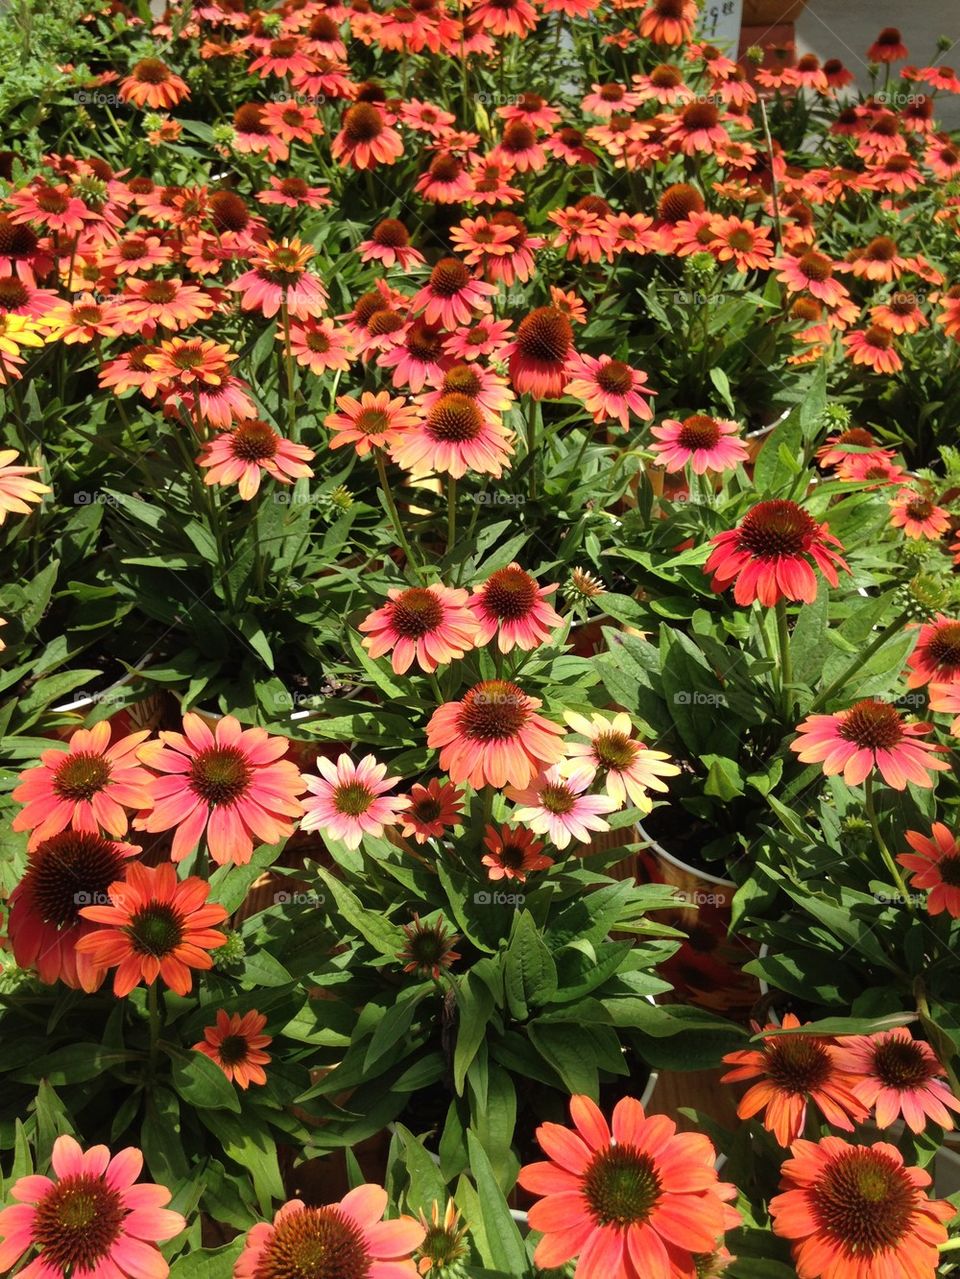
885 853
291 378
395 515
786 659
451 513
153 1009
859 662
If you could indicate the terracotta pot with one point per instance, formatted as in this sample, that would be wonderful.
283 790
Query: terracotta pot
770 12
707 970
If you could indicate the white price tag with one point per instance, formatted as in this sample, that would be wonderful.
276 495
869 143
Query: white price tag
720 23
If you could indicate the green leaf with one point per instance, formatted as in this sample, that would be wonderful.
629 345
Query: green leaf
475 1003
160 1137
207 1263
529 971
503 1248
201 1083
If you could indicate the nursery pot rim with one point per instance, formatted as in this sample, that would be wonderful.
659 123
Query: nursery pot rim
681 865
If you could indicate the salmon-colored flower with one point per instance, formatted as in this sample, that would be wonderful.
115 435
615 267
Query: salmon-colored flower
155 926
812 272
350 800
874 347
869 735
669 22
857 1210
896 1075
493 736
918 516
888 47
373 421
609 389
86 786
428 949
429 625
768 557
17 491
151 83
794 1072
278 275
389 243
230 784
936 658
513 607
455 436
88 1217
935 863
366 139
452 295
236 1045
513 853
539 356
704 443
319 345
169 303
633 1197
250 451
556 803
433 808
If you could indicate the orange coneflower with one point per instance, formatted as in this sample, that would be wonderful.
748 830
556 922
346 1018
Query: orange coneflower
540 353
744 243
292 122
873 347
503 17
935 860
373 421
155 926
493 736
151 83
609 389
918 516
236 1045
294 193
144 304
490 391
888 46
452 295
250 451
433 809
869 735
669 21
278 276
281 57
513 853
455 436
697 128
429 625
253 136
365 138
900 314
319 345
513 607
936 658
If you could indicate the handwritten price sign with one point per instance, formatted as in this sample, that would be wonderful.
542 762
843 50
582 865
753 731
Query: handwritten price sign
720 22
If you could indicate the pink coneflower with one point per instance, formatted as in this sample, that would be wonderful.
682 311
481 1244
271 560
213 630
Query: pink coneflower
54 207
768 555
856 442
696 128
366 139
17 489
429 625
87 1217
236 1045
170 303
540 353
350 800
349 1234
935 863
455 436
434 808
898 1075
253 136
873 470
446 180
569 145
418 358
231 784
319 346
604 100
936 658
812 272
278 274
664 84
869 735
84 787
426 117
873 347
389 243
19 296
630 769
294 193
513 607
373 421
486 339
254 449
555 804
513 853
918 516
704 443
493 736
609 389
452 295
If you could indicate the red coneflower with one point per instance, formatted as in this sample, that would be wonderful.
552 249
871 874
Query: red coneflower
389 243
349 1234
514 853
250 451
419 357
426 117
857 442
366 139
540 353
745 244
493 736
898 1075
874 347
151 83
869 735
664 84
935 863
373 421
704 443
918 516
568 144
281 57
455 436
936 657
888 46
87 1217
794 1071
609 389
768 555
858 1211
696 128
349 800
582 230
880 260
85 786
491 183
486 339
433 809
511 606
253 136
236 1045
452 295
63 873
231 784
292 122
154 927
429 625
634 1197
54 207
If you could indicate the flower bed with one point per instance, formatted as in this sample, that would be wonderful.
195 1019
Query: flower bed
481 629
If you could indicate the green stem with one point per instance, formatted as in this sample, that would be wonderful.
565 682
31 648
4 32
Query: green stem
153 1009
885 853
786 659
859 662
395 515
451 514
532 416
291 377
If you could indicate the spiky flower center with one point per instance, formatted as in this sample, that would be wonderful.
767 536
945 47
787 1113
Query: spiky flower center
426 810
666 76
797 1064
68 871
901 1063
391 233
512 854
858 436
372 422
669 8
678 202
77 1223
890 38
315 1243
17 240
944 645
700 115
416 613
228 211
295 188
254 441
233 1050
151 71
220 774
80 775
156 930
493 711
518 136
880 338
545 335
699 432
13 293
249 119
510 594
385 321
881 249
919 508
614 750
425 342
323 28
776 528
864 1201
621 1186
872 725
454 419
317 341
446 168
949 868
463 379
615 377
816 266
448 277
160 291
611 92
557 798
353 798
362 123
